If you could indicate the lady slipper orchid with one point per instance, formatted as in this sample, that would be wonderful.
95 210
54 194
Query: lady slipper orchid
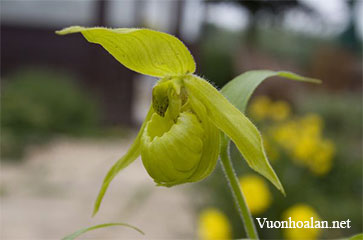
180 138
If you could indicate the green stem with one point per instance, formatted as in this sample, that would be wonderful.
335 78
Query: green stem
236 190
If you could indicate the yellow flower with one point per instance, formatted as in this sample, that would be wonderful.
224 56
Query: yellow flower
321 161
301 212
257 194
305 147
263 108
280 111
312 124
213 224
302 139
260 108
285 134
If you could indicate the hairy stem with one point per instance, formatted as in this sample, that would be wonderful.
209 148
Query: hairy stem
236 190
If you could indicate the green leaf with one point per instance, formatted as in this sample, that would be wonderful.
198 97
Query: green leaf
235 124
239 90
141 50
84 230
357 237
129 157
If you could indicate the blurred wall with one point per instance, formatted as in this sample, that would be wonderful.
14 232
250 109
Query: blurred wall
28 39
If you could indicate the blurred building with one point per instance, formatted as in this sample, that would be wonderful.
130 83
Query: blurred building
28 39
225 37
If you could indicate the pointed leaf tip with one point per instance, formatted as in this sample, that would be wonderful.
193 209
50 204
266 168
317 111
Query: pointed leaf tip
87 229
296 77
70 30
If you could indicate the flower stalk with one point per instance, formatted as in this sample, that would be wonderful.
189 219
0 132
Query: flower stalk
236 190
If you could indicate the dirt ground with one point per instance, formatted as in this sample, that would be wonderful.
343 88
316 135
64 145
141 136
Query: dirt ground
51 194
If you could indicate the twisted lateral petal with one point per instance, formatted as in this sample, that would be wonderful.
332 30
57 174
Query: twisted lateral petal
235 124
141 50
211 142
129 157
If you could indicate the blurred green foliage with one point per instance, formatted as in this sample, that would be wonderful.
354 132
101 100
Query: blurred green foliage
220 48
37 104
217 51
335 195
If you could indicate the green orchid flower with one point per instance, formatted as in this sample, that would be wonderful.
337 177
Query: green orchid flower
179 140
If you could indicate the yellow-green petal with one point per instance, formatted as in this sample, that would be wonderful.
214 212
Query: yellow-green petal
141 50
171 151
235 124
211 142
129 157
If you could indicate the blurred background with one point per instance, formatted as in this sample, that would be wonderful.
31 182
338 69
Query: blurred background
69 110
